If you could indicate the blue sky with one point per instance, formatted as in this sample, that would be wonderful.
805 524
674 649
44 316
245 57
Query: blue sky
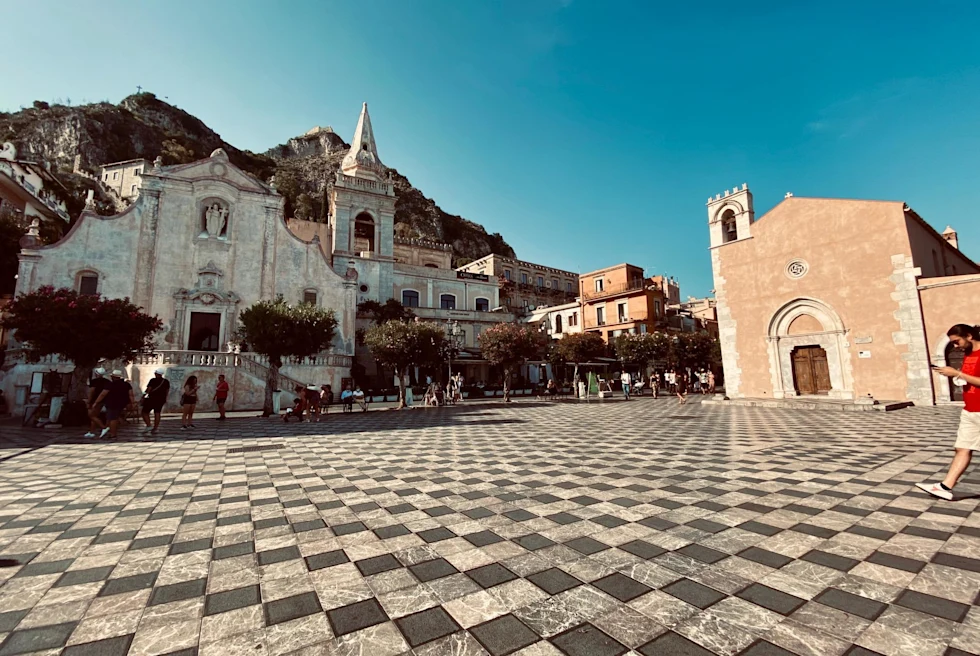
588 133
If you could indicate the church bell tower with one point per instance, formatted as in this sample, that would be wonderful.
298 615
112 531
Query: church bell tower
362 207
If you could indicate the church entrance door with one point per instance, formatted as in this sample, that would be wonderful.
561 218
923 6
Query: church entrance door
811 375
204 331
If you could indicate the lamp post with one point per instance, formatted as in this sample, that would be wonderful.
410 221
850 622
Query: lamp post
454 333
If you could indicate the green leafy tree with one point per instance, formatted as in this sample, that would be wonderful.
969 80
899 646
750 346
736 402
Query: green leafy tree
578 348
82 328
509 345
304 207
643 349
404 344
695 350
390 310
279 330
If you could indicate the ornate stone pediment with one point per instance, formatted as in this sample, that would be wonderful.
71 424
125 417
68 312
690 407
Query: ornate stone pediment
209 289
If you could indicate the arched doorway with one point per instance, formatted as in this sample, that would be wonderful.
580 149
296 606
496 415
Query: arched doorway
811 375
954 358
808 352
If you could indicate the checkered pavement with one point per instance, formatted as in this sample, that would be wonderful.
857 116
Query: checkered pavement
530 529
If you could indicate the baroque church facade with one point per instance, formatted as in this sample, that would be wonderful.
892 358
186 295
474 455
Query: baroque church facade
205 240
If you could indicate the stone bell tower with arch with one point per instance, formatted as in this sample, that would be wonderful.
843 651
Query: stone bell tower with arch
730 218
362 215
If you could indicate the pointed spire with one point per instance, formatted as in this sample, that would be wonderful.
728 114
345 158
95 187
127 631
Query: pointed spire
362 160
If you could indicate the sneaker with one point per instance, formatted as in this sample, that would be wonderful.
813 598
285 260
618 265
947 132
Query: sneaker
935 490
146 429
89 434
192 426
105 431
183 428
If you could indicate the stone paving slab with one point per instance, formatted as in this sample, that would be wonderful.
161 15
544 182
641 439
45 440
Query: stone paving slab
532 529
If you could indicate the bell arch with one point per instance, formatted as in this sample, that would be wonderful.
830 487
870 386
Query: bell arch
808 322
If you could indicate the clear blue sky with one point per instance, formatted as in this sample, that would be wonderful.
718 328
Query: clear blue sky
588 133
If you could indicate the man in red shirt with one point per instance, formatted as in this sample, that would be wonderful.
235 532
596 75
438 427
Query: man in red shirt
967 338
221 395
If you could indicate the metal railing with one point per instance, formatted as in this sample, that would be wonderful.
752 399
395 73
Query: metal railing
616 320
621 288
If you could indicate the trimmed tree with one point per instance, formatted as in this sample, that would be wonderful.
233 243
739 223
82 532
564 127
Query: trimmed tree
390 310
279 330
509 345
578 348
696 350
82 328
642 349
404 344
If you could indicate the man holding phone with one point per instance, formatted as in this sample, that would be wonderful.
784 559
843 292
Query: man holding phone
967 338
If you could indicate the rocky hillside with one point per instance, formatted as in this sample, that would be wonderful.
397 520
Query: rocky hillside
144 126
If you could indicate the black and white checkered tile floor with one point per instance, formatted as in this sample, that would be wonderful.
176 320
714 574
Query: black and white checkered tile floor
530 529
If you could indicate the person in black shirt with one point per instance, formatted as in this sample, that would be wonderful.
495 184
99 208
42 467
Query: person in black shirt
154 399
117 396
95 387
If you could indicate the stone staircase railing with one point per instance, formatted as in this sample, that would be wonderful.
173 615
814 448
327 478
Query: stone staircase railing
261 371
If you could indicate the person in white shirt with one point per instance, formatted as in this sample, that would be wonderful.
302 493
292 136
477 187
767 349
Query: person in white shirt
626 381
359 398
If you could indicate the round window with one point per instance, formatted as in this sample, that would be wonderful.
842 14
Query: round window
364 288
797 269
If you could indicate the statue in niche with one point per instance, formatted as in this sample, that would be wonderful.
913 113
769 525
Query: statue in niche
216 220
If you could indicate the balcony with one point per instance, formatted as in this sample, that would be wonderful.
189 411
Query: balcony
613 322
615 290
40 195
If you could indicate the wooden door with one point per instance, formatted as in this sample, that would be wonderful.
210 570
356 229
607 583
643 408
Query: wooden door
811 374
821 371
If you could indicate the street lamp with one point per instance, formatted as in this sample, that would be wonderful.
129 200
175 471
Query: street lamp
455 334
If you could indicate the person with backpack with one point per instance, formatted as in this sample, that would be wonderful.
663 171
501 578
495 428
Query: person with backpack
154 398
967 338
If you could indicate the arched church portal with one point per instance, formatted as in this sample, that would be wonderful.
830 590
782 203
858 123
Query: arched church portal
808 351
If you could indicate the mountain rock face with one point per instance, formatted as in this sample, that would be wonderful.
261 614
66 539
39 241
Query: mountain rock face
144 126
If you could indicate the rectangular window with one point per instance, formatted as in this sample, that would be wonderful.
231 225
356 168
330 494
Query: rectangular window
88 285
506 274
600 316
568 286
115 175
643 328
573 321
447 302
540 281
309 297
136 172
482 305
555 283
523 278
598 284
105 177
623 314
656 308
132 190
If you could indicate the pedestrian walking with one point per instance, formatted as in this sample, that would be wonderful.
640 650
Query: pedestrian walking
154 398
326 399
680 387
221 391
117 396
696 382
626 380
966 338
711 382
188 401
95 387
